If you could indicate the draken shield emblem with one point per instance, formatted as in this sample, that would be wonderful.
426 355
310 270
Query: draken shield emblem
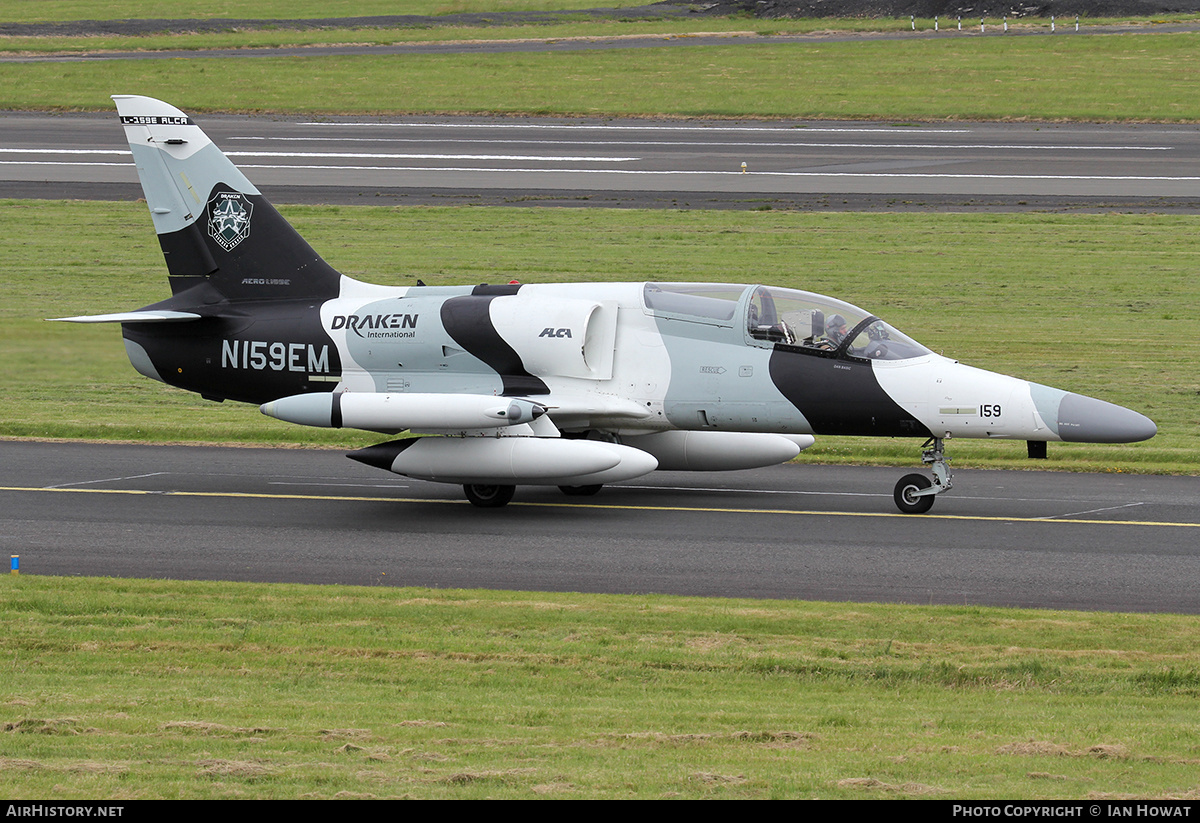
229 218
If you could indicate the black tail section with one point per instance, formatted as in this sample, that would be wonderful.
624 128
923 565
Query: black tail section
214 226
245 249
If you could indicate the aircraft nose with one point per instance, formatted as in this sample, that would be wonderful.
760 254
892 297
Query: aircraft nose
1084 419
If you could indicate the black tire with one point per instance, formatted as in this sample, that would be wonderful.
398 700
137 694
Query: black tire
580 491
488 497
906 502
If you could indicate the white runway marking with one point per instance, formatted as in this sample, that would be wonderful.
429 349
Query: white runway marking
662 174
106 480
1091 511
646 127
809 492
575 504
110 152
681 172
60 163
669 173
740 145
353 155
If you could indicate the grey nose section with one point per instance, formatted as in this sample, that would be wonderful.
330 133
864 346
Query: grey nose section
1088 420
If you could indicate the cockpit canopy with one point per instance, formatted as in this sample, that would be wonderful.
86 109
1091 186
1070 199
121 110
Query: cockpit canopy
798 320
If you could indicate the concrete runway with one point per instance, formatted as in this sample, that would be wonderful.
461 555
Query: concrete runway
1048 540
678 164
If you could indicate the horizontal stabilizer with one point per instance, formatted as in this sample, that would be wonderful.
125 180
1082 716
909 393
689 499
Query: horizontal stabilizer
157 316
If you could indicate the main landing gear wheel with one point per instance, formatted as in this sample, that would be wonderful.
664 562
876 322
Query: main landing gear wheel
906 498
489 497
580 491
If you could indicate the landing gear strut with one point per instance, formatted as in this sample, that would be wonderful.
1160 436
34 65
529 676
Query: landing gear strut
486 496
914 493
581 491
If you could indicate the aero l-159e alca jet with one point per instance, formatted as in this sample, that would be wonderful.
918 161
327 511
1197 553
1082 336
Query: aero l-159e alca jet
572 385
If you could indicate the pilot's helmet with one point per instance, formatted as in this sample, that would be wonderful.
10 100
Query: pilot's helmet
834 324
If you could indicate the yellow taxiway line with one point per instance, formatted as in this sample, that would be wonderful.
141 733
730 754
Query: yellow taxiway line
614 507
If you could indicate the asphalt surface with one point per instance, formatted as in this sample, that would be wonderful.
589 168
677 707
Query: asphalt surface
1112 542
1003 538
673 164
149 26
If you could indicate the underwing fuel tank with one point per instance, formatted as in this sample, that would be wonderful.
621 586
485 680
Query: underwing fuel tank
393 413
538 461
706 451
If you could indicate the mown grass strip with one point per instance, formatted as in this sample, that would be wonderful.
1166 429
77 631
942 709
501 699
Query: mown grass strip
1091 303
37 11
1096 78
128 688
566 27
30 11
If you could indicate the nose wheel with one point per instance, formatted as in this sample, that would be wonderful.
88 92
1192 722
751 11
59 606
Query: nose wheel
912 495
915 492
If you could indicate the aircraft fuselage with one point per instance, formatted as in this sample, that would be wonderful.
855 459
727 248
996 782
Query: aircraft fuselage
703 370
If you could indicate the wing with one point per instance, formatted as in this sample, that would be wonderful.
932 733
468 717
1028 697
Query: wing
132 317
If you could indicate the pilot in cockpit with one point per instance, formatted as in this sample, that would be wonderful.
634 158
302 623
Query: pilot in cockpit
835 331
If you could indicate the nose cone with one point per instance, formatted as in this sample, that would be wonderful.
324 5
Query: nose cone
1088 420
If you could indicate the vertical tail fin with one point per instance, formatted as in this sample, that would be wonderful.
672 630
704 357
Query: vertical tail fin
213 224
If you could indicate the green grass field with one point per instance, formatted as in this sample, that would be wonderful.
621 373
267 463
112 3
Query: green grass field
1067 76
1096 78
567 26
36 11
151 689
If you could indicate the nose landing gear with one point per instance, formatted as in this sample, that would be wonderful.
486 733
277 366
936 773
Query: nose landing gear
914 493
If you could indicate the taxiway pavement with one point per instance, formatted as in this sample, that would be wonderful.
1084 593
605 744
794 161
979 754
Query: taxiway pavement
678 164
1049 540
